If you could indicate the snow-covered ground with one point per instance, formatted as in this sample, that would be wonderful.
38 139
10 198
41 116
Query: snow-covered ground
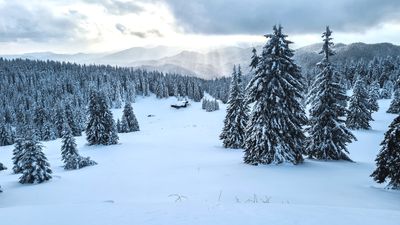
174 171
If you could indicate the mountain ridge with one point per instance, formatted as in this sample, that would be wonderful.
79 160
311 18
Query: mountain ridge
214 63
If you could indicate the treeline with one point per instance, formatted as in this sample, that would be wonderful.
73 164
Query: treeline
380 71
45 94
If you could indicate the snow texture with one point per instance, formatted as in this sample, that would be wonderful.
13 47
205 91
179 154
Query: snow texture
175 171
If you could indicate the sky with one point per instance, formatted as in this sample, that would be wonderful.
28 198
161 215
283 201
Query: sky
91 26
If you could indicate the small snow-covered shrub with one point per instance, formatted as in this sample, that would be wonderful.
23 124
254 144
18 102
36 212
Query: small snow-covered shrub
2 167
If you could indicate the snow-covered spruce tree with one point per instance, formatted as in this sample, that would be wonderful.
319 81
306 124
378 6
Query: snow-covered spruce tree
215 105
386 91
113 140
395 104
70 119
123 125
49 132
59 119
254 60
34 165
359 114
6 135
328 136
373 96
388 159
18 152
129 118
274 131
69 152
101 128
39 119
233 133
210 105
68 147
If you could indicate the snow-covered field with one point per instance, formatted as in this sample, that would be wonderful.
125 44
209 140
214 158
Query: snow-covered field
174 171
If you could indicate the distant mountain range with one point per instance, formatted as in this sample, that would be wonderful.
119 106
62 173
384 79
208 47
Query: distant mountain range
215 63
308 56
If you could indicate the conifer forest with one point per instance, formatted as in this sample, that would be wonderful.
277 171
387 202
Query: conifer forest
199 112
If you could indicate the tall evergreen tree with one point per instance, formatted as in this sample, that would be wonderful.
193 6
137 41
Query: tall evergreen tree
113 139
373 96
39 119
328 135
70 119
101 128
18 152
388 159
233 133
274 132
386 91
59 120
68 147
254 59
34 165
48 132
69 152
6 135
395 104
359 114
129 122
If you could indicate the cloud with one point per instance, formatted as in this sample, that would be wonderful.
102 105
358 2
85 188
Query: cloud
120 27
18 22
138 34
117 7
155 33
297 16
150 33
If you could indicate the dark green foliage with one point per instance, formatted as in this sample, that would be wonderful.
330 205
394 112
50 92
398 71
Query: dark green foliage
395 104
18 152
328 135
119 126
68 147
388 159
373 96
6 135
233 133
69 152
2 167
359 114
40 117
129 122
70 119
48 132
34 165
59 119
254 59
274 131
386 92
101 128
210 105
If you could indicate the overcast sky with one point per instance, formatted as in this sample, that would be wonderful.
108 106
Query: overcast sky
68 26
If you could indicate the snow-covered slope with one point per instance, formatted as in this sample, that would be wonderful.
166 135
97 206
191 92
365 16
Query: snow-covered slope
174 171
